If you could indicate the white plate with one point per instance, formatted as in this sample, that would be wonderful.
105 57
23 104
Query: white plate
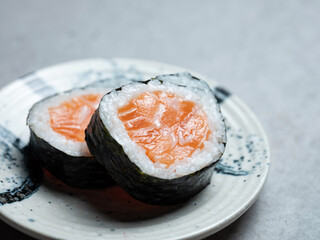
56 211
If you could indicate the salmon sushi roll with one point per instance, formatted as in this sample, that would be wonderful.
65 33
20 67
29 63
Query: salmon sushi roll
57 137
159 139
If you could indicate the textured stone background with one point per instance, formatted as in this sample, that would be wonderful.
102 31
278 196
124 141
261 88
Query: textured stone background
266 52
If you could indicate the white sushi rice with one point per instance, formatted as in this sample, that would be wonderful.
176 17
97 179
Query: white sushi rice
197 93
39 121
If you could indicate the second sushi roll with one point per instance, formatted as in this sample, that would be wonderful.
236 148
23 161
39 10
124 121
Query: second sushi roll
159 139
57 125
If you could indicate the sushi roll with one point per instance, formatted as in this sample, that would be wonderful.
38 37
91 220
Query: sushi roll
57 137
159 139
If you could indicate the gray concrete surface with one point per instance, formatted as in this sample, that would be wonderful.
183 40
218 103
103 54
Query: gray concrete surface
266 52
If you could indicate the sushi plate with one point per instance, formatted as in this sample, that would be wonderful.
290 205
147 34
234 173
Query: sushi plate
39 205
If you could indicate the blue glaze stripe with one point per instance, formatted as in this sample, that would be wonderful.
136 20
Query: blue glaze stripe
221 94
229 170
37 84
32 182
40 87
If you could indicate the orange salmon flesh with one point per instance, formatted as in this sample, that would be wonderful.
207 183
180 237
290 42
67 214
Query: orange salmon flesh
168 127
72 117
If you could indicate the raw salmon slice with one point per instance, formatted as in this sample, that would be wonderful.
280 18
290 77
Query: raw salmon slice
168 127
72 117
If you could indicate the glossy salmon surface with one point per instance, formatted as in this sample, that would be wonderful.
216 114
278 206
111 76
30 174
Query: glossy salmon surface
168 127
72 117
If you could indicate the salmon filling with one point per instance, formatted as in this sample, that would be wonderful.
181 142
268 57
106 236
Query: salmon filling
168 127
72 117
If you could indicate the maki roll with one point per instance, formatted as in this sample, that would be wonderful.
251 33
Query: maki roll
159 139
57 137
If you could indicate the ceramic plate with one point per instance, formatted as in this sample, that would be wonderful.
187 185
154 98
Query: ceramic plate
46 208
